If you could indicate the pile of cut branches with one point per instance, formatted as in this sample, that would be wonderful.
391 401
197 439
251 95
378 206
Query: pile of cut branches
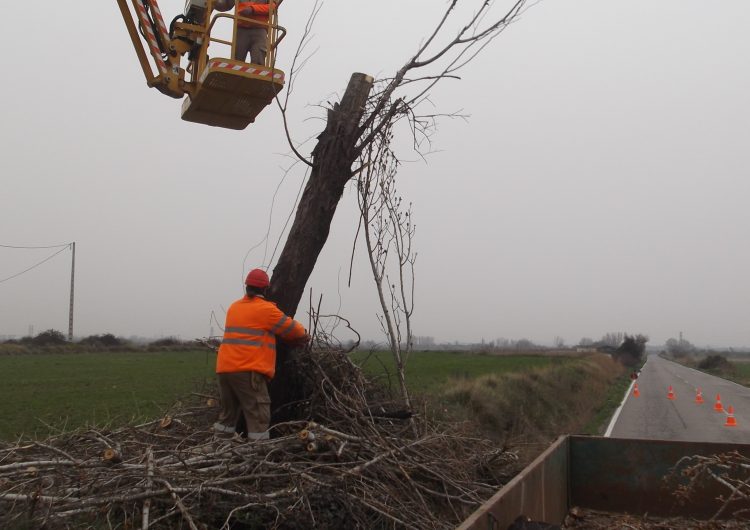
726 473
352 462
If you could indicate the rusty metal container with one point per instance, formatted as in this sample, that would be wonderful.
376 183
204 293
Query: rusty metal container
607 474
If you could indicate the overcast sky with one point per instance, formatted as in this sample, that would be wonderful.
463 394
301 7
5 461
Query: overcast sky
600 183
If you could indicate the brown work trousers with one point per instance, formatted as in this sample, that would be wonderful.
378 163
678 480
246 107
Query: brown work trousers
253 41
244 393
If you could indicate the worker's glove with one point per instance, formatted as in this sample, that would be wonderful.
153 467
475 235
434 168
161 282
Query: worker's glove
302 341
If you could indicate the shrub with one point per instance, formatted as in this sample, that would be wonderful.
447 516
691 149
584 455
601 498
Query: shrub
715 362
167 341
50 337
630 352
107 340
171 344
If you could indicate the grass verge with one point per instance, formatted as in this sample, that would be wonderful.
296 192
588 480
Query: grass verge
742 372
539 405
599 422
730 368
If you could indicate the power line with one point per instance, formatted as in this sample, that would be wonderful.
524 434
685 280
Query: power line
50 246
36 265
214 319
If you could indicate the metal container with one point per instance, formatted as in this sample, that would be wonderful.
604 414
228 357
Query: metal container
607 474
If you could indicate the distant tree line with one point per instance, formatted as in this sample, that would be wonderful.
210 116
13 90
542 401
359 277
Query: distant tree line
53 341
710 360
629 350
680 347
426 343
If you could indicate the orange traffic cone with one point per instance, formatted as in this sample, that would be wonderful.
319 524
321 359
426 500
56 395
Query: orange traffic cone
699 397
731 421
636 392
718 407
670 393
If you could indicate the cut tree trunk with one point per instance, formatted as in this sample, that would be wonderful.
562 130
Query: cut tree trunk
332 161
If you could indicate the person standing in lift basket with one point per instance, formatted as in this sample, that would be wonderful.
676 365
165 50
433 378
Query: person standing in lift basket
251 38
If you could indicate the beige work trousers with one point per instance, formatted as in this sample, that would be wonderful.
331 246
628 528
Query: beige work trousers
254 42
244 393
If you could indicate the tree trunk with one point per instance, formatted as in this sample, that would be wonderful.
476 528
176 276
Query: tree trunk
332 161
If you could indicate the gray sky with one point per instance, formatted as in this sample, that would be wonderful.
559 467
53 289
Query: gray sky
600 184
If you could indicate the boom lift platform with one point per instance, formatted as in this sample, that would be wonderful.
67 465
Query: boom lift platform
219 92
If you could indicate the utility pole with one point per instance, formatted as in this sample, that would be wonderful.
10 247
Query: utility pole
72 283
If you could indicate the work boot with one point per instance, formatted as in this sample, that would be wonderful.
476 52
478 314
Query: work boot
257 436
223 432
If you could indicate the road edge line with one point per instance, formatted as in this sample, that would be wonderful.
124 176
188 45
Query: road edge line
616 415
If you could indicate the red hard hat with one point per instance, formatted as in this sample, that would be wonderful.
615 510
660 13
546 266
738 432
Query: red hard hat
257 278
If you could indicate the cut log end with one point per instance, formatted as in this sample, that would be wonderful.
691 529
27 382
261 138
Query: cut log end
306 436
111 455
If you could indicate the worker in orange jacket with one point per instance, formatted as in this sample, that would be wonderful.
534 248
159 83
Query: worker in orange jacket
247 357
251 38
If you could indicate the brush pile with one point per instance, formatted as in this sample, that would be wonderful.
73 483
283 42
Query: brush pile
725 473
349 463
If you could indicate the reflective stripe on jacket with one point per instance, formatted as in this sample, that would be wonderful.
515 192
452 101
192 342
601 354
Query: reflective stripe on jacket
261 10
250 333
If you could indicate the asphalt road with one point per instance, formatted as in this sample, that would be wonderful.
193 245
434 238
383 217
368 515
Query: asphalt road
653 416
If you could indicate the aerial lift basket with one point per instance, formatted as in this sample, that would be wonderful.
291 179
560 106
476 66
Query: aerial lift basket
219 92
231 93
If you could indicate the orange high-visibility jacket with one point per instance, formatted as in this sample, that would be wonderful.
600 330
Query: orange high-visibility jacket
260 13
250 333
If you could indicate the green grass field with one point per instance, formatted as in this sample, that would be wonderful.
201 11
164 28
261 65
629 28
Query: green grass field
426 372
742 372
43 393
